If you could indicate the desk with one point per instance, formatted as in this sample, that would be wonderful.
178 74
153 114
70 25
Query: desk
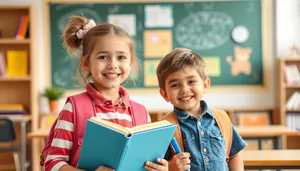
271 159
273 132
270 131
23 120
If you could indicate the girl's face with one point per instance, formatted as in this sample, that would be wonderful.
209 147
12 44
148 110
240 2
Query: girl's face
185 89
110 62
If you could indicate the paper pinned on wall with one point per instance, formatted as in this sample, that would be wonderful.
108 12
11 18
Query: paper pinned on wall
213 66
159 16
126 21
157 43
150 78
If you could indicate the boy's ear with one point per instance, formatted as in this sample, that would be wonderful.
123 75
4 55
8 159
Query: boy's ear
86 67
163 93
206 85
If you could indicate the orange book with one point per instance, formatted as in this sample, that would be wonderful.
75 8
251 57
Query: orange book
23 27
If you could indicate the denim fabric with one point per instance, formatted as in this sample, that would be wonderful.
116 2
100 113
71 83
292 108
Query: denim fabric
203 139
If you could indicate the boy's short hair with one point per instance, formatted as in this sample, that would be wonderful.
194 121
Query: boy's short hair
175 61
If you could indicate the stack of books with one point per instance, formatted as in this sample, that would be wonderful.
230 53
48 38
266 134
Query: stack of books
12 109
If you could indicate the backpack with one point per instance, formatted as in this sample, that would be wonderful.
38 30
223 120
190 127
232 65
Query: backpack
83 109
222 120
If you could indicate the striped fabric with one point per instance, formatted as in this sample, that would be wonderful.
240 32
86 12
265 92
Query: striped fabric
60 150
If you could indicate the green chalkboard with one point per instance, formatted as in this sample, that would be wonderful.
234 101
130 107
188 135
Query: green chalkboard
228 34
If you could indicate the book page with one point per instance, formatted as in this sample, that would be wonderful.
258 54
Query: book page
126 131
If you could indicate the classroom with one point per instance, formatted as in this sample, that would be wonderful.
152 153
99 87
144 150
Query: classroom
251 49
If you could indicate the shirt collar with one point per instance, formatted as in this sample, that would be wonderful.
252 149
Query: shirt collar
183 116
100 99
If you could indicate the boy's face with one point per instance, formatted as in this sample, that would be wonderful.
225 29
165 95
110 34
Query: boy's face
184 89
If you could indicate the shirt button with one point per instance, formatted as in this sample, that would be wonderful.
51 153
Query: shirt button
204 150
199 123
201 133
206 159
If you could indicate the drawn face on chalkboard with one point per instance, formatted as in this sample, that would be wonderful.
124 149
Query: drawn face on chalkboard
110 62
184 89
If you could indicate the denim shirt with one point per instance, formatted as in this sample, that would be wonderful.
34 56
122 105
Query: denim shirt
203 139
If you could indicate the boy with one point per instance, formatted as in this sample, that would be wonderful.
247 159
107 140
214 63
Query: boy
183 81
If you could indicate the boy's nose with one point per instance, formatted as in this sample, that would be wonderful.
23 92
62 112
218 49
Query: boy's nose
184 89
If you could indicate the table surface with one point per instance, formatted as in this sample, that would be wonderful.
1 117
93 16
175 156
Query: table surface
271 157
265 131
258 131
17 118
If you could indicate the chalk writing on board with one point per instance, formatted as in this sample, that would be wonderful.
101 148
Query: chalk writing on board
208 5
86 12
62 76
189 6
63 6
250 9
114 9
204 30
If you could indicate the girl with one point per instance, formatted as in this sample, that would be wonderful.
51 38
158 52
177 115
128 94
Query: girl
107 57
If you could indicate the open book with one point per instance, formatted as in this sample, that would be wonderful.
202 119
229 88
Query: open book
123 149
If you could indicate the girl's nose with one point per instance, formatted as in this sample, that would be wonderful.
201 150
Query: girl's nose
113 64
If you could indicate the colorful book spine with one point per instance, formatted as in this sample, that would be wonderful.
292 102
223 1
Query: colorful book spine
23 27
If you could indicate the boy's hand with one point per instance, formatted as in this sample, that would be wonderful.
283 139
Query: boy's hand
163 166
180 162
103 168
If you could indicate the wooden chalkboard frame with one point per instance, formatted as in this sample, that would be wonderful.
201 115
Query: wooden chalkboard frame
217 88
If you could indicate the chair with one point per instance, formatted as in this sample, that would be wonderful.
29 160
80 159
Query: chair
7 135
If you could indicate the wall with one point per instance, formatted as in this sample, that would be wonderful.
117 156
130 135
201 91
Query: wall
288 26
214 99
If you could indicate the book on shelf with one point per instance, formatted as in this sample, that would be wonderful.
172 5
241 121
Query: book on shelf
293 120
123 149
23 27
293 103
2 65
11 109
292 74
17 63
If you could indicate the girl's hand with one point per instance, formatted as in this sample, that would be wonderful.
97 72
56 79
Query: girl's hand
103 168
163 166
180 162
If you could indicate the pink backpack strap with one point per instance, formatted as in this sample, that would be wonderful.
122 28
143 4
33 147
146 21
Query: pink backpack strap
83 109
139 113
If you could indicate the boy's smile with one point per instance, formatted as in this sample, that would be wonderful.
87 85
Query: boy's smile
184 89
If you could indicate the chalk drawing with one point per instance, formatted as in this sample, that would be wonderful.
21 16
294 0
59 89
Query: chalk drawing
204 30
86 12
114 9
62 6
66 71
208 5
250 9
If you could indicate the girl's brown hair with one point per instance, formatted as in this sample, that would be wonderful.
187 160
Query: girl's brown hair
175 61
72 44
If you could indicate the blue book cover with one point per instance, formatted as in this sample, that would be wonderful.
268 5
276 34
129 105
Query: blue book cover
123 149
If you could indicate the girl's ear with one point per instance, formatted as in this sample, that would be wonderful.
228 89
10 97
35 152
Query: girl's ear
206 85
85 66
164 94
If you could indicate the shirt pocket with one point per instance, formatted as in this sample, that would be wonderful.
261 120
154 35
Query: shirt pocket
189 144
217 144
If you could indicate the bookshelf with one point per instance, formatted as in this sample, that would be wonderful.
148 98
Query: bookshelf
285 91
19 89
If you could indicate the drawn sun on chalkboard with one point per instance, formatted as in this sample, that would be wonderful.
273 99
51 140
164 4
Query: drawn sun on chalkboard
204 30
86 12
